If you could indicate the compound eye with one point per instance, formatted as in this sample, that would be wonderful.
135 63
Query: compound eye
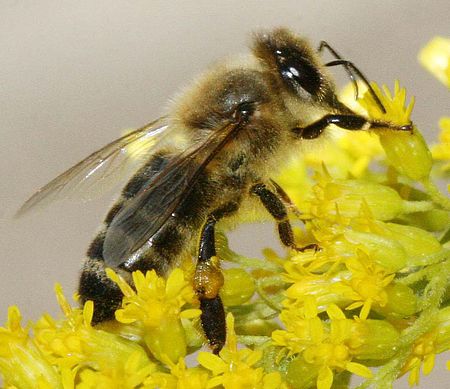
298 72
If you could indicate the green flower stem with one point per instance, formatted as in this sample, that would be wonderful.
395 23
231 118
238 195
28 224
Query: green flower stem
435 260
435 194
270 302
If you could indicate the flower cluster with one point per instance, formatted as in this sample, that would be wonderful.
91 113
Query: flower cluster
366 296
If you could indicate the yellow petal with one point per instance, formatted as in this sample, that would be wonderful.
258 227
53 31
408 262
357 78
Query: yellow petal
211 362
174 283
358 369
428 364
325 378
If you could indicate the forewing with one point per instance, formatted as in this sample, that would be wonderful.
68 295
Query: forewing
104 167
144 215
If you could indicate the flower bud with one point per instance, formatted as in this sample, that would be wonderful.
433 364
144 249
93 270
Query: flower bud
346 197
401 301
300 374
167 340
384 251
407 153
418 243
238 287
373 339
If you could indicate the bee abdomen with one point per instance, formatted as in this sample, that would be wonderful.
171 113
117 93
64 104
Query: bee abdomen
96 286
95 250
145 174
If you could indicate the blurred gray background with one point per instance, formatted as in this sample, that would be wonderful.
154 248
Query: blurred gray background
74 74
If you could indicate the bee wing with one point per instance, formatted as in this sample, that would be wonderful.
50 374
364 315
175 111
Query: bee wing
94 173
142 217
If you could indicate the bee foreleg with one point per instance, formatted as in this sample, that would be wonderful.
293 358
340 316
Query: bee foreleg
346 122
208 280
276 207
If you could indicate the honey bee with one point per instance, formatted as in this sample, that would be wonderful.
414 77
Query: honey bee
220 145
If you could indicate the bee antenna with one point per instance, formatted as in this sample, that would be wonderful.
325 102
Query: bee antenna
351 69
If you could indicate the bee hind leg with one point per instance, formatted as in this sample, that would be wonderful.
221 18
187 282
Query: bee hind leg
208 280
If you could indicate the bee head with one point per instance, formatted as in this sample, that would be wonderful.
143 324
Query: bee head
294 65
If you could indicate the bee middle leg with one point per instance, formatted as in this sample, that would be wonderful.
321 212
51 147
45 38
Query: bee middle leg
276 207
208 280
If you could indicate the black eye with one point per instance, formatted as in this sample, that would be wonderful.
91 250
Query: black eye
297 71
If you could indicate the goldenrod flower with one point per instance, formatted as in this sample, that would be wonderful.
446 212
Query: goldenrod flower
180 377
21 362
435 57
130 374
368 282
441 151
427 346
406 151
370 287
325 347
156 305
335 199
235 368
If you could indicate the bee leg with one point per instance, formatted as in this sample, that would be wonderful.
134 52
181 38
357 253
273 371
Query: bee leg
277 209
208 280
347 122
280 192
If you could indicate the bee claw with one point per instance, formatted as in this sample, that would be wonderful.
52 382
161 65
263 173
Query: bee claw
312 246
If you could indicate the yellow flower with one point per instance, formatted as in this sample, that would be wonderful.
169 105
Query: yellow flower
427 346
336 199
94 357
235 368
381 252
156 305
180 377
406 151
435 57
21 363
368 282
130 374
441 151
325 347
